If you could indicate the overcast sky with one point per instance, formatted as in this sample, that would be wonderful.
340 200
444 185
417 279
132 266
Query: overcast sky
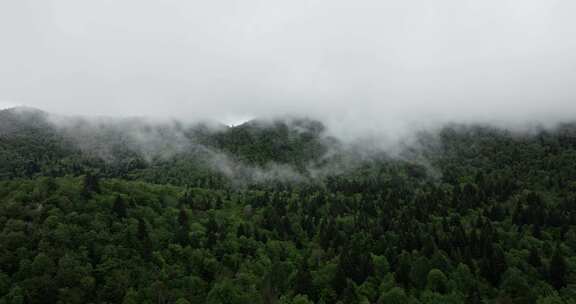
367 64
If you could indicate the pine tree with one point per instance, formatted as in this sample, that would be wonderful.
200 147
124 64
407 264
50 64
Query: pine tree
349 294
558 269
90 185
339 280
494 265
183 218
534 258
183 229
119 207
403 269
144 238
303 283
437 281
211 231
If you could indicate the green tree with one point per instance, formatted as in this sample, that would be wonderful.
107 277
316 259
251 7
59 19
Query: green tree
437 281
394 296
226 293
303 283
119 208
558 269
91 185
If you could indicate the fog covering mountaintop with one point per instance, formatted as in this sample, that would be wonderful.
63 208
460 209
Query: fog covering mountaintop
285 149
262 150
361 67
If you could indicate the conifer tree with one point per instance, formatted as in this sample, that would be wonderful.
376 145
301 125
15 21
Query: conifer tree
119 207
558 269
90 185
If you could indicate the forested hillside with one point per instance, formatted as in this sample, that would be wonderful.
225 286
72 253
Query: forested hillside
279 212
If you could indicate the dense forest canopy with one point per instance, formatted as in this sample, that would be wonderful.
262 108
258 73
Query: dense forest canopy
128 211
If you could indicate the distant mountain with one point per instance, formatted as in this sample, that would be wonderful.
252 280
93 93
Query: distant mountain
33 141
21 121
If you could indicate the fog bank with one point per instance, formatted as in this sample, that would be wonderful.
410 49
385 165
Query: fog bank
363 67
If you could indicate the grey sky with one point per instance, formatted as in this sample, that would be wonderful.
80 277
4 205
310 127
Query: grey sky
358 64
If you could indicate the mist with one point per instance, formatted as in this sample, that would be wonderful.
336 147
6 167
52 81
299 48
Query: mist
364 68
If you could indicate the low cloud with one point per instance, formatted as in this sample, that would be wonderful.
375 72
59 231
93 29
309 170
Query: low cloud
366 68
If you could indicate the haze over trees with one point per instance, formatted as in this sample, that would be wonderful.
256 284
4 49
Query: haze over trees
279 212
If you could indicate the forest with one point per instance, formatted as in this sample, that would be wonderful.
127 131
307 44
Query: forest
281 212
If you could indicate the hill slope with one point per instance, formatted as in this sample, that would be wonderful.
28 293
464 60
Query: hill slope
468 214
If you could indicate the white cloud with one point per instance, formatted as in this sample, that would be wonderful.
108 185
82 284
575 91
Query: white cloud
8 104
363 66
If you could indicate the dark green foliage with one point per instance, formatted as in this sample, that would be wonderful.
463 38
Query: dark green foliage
303 283
558 269
258 142
534 258
91 185
437 281
119 208
489 218
145 242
